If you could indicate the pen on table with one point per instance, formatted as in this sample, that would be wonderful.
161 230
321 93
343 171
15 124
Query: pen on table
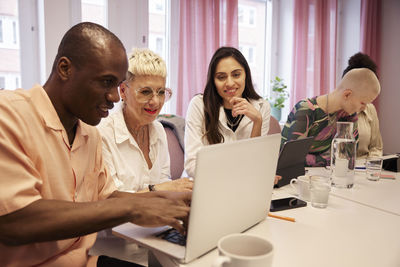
360 168
281 217
387 176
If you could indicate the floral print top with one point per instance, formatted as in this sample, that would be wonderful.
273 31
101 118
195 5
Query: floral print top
308 119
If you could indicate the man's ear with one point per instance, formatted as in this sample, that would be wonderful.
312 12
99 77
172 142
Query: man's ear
64 67
347 93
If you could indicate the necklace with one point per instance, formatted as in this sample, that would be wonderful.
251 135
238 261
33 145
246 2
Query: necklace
139 135
235 121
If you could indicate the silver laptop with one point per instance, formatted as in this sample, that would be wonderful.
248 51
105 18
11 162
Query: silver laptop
231 193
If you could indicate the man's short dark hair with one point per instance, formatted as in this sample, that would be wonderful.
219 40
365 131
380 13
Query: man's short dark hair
77 43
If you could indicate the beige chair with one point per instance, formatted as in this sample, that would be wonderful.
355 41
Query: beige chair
274 126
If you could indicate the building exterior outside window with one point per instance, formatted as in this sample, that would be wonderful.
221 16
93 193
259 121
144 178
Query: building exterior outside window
10 71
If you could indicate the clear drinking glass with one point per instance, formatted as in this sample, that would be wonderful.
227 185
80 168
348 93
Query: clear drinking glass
373 168
343 156
320 186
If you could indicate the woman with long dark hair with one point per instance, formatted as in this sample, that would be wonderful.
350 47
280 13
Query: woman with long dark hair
230 109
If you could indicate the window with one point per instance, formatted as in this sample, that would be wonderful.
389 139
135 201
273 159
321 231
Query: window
9 31
1 30
247 11
251 16
248 53
10 80
14 23
157 6
10 69
157 27
159 45
159 35
240 15
2 82
252 41
95 11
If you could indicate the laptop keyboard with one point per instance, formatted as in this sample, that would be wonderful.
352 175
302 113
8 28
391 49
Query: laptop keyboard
173 236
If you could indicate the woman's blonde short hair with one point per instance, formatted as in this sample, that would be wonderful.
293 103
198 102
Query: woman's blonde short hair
143 61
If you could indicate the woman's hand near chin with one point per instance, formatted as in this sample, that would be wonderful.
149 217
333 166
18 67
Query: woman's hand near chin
243 107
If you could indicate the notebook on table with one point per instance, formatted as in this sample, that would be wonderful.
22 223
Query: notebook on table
232 192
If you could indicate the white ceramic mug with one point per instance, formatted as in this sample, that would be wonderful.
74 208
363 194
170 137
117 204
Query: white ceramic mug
302 187
244 250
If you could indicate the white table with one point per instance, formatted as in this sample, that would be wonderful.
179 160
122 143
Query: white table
383 194
360 227
345 234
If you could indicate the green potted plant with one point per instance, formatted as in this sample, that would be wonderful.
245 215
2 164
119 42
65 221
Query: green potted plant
278 97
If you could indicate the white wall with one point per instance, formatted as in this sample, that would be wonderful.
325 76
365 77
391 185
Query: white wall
389 99
129 21
59 16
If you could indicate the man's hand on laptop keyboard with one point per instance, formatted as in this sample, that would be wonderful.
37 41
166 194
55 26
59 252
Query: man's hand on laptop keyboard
160 208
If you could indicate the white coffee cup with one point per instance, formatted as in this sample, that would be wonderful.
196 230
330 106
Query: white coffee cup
244 250
302 185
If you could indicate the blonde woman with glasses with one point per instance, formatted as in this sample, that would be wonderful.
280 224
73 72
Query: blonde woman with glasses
135 145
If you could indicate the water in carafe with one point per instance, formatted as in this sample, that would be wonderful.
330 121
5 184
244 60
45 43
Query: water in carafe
343 156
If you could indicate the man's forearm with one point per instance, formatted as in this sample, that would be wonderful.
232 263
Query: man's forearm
48 220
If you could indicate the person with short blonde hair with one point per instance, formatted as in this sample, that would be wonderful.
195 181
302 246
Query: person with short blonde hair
143 61
135 145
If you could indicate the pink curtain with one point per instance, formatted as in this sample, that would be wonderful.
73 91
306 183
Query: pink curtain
314 54
370 32
204 27
370 28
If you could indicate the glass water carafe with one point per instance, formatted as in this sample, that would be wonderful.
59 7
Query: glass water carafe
343 156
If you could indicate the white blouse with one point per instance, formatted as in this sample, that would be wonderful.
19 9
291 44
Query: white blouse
195 128
125 160
369 137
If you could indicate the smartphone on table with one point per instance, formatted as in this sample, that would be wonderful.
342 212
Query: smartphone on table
286 203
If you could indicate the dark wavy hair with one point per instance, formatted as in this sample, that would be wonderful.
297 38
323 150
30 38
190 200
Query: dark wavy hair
360 60
213 101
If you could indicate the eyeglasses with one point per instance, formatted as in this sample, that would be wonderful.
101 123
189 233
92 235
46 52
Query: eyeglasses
145 94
